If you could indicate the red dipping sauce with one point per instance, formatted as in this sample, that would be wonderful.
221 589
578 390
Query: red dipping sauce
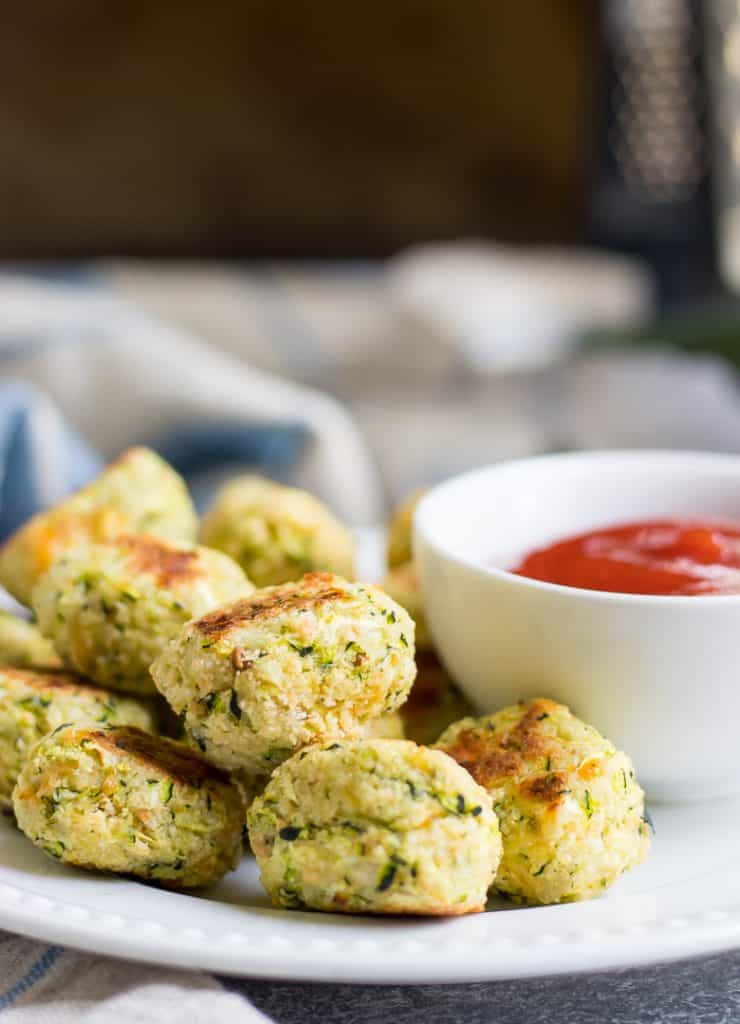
663 556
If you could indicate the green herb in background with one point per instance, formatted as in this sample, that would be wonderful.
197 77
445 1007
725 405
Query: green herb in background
709 332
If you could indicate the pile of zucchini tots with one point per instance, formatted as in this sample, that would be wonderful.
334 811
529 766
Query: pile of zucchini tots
172 696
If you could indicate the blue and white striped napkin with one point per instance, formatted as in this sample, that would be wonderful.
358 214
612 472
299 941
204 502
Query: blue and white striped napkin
51 985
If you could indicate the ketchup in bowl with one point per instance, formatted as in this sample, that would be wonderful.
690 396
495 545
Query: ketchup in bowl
664 556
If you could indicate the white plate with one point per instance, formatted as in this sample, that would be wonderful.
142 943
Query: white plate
684 902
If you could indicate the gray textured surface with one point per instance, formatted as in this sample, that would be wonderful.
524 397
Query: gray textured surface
696 992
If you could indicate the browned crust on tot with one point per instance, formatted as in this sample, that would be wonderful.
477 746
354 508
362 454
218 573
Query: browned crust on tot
166 756
53 679
312 591
493 758
548 788
167 564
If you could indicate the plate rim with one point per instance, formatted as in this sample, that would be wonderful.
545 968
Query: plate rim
669 937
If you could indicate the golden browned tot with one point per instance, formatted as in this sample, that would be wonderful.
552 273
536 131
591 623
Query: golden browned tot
139 493
288 666
375 827
111 607
277 533
571 813
120 800
33 703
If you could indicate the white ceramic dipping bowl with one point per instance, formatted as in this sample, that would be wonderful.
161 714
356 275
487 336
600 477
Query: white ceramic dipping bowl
659 676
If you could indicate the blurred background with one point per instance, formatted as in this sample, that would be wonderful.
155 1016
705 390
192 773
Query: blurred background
489 229
303 130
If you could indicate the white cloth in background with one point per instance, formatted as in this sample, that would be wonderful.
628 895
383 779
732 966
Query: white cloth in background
650 397
427 403
432 310
121 377
510 308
